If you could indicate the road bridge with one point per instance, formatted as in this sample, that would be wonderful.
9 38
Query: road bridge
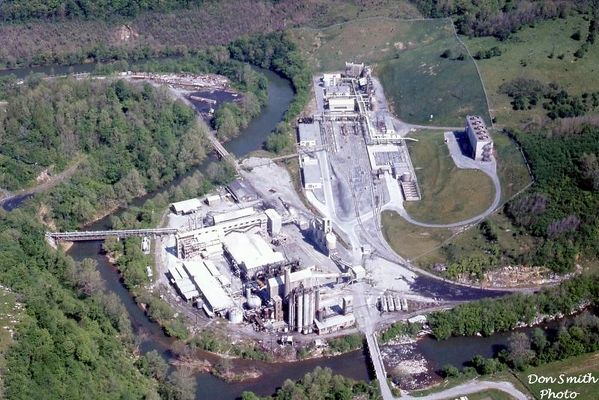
80 236
379 367
222 152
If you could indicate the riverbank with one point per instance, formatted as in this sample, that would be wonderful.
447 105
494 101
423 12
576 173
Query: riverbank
418 363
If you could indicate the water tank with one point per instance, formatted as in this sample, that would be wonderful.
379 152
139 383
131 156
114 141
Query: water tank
235 316
331 241
254 302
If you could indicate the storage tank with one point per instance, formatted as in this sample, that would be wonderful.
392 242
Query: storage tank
397 302
390 303
404 304
384 304
331 241
253 301
235 316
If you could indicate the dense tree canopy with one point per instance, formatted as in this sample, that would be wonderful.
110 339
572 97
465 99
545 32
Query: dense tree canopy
498 18
276 51
71 343
22 10
321 384
504 314
562 208
130 139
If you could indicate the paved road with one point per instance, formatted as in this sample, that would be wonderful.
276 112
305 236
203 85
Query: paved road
469 388
50 183
461 161
367 318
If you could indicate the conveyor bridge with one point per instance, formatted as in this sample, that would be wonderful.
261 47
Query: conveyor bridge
79 236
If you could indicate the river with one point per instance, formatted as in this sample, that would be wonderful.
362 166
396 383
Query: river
149 334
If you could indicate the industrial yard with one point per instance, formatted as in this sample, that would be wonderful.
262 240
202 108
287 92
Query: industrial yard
260 263
268 264
253 253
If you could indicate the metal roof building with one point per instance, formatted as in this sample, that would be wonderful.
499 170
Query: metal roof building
186 206
184 285
334 323
241 191
212 291
231 215
311 174
250 252
309 134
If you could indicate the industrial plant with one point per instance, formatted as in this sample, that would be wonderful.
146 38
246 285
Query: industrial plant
237 258
348 112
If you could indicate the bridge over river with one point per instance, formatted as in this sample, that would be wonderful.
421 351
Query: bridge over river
80 236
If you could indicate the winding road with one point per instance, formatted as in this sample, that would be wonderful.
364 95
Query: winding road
470 387
13 200
489 168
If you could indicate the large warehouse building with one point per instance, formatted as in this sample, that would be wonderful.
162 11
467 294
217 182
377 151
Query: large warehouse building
311 173
250 253
211 290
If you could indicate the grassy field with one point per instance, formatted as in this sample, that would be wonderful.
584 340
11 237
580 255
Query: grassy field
511 166
570 368
527 54
412 241
449 194
407 57
427 246
482 395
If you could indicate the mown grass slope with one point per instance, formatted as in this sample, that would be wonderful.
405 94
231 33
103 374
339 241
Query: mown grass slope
544 52
418 82
449 194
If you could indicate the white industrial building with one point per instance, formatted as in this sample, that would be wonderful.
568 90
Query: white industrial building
343 90
186 206
182 281
331 79
342 104
219 218
309 134
283 285
211 289
479 137
250 252
311 173
207 241
241 191
334 323
274 221
353 70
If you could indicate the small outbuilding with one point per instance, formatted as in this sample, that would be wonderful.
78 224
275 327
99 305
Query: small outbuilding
186 206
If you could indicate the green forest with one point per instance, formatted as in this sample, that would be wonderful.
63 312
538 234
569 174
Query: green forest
76 340
277 52
23 10
561 208
130 139
321 384
500 18
504 314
